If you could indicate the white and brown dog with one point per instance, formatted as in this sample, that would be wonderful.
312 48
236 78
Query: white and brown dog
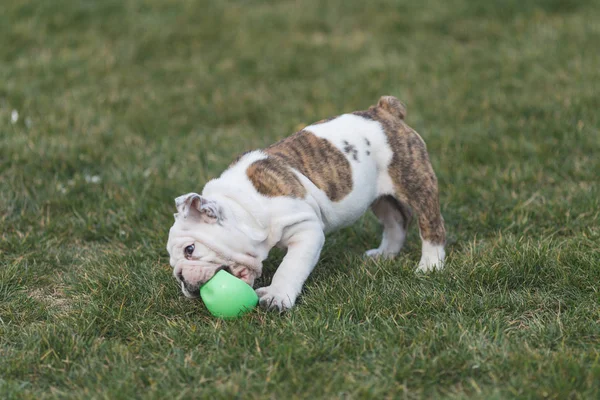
290 194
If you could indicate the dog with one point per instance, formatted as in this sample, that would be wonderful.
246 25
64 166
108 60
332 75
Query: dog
292 193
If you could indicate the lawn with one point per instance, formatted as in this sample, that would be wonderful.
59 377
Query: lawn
110 109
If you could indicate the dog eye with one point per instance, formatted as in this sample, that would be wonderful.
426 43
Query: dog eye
188 251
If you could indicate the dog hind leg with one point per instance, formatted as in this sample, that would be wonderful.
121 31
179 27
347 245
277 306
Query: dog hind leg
395 216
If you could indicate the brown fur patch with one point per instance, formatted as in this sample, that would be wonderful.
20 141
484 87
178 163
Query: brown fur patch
317 159
271 177
410 169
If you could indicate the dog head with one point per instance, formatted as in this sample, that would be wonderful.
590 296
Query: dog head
204 239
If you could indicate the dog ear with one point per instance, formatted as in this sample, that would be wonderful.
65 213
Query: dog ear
197 206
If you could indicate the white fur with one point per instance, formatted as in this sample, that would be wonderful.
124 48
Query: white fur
370 168
432 257
254 223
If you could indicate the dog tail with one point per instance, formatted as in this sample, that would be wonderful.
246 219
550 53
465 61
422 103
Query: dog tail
393 106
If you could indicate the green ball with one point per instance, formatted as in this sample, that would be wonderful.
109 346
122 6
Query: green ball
227 296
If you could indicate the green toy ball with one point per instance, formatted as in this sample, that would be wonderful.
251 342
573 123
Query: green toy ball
227 296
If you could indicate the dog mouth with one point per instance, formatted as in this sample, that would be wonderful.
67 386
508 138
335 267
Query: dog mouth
225 268
193 290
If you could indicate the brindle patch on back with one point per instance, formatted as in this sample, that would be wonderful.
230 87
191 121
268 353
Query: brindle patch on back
317 159
272 177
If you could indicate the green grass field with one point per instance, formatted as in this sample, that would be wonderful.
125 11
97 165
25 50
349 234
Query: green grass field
110 109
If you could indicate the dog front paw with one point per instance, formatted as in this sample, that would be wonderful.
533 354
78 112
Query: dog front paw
273 298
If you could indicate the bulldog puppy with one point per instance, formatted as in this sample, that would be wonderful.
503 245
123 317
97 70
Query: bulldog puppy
292 193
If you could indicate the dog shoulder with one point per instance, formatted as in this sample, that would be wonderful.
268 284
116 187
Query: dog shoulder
272 177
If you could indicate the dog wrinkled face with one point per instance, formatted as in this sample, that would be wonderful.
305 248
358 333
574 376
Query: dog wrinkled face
193 262
195 265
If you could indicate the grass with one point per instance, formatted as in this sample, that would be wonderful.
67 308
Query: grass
122 106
